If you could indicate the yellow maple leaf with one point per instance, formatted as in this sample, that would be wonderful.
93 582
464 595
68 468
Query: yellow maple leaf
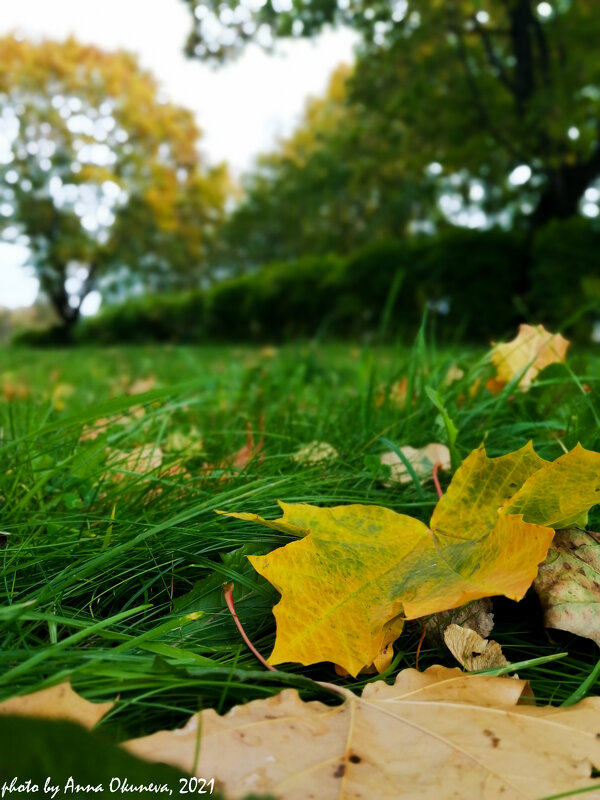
561 494
533 349
432 735
358 570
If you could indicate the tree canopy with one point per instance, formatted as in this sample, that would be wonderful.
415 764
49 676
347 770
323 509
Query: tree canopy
101 175
476 90
334 185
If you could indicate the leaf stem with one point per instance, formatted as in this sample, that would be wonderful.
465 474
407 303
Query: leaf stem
436 480
228 594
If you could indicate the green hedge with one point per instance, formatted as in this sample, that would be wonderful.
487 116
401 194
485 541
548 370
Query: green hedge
565 274
476 284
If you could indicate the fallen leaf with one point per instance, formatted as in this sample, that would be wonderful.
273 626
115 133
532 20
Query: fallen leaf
242 457
435 735
142 385
561 494
190 444
477 616
60 394
472 651
57 702
315 453
422 461
395 395
358 570
568 584
533 349
101 425
14 388
454 373
141 460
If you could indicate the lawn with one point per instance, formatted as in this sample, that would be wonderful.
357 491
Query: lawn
110 550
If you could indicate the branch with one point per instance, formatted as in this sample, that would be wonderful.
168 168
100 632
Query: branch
478 99
492 56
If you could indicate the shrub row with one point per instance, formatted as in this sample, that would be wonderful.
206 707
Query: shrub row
476 284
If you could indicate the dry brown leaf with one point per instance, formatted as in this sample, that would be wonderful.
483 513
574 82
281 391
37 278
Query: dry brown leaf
14 388
58 702
477 616
142 385
533 349
472 651
141 460
435 735
422 461
242 457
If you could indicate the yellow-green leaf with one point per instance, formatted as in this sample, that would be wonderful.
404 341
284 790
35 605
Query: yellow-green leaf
561 493
358 568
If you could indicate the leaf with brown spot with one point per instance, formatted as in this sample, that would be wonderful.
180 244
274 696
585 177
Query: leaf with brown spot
568 584
432 735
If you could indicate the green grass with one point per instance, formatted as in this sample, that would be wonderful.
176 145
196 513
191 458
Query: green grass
99 577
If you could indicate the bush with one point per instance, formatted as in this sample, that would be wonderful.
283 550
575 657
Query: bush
566 266
154 318
473 282
365 284
473 278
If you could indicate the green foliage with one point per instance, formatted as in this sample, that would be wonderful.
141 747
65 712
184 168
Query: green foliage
477 87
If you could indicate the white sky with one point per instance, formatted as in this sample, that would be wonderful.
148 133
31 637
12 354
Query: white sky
241 107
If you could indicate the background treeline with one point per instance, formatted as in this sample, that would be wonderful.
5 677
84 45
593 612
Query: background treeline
474 283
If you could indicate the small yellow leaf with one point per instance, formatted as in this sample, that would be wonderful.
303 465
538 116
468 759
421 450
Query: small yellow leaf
533 349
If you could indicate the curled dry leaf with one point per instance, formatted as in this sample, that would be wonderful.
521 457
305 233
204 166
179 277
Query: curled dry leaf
477 616
315 452
435 735
422 461
533 349
568 583
472 651
58 702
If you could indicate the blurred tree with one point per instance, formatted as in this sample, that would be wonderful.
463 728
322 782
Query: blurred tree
484 89
335 184
100 176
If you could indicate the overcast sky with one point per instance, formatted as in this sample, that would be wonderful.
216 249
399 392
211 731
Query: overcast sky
241 107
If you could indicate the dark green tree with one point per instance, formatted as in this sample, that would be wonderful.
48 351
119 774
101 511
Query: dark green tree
482 88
